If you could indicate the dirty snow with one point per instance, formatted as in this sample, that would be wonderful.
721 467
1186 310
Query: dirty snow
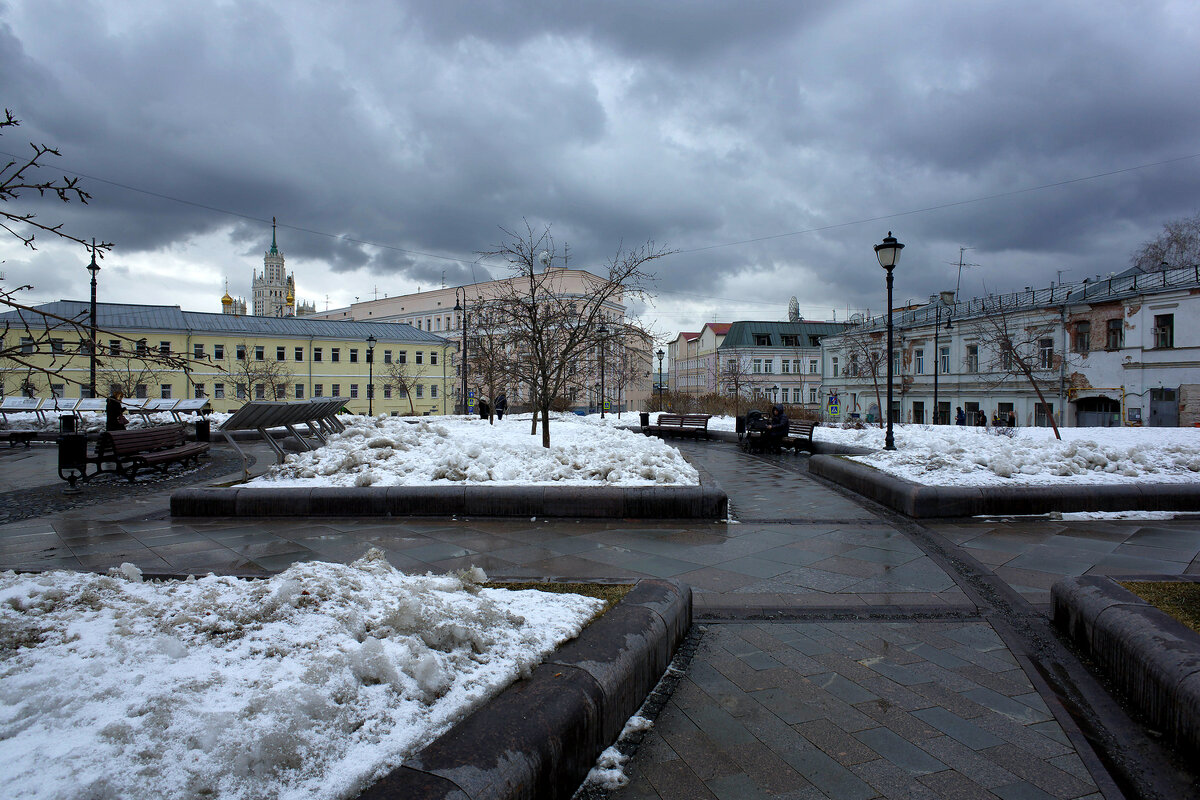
307 684
389 451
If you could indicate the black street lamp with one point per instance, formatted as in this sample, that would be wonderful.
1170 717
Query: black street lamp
93 268
888 254
937 348
603 331
660 355
371 375
460 306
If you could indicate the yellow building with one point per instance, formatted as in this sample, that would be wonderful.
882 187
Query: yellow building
231 358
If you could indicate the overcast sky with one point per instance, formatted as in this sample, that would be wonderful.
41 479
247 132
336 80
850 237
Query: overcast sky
771 143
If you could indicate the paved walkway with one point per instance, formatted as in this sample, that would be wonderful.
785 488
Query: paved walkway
844 652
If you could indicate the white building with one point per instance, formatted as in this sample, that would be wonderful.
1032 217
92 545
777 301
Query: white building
1123 350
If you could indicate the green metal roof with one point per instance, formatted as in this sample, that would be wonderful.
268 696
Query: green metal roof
744 334
128 316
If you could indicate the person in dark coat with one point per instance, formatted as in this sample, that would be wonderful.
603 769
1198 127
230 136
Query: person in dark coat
1012 419
485 410
114 413
960 417
777 427
501 405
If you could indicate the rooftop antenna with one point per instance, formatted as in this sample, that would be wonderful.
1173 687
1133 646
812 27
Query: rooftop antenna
326 302
961 264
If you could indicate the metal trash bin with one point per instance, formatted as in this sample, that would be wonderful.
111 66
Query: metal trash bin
66 423
203 430
645 418
72 457
739 426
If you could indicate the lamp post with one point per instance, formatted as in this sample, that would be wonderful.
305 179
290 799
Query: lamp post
371 375
93 268
937 349
888 254
603 331
460 305
660 355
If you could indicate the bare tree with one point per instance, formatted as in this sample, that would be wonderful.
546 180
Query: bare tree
124 371
247 370
1177 246
628 360
1021 346
490 352
733 374
402 376
864 350
550 329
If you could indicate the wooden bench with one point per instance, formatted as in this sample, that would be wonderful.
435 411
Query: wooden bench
158 447
800 434
680 425
19 437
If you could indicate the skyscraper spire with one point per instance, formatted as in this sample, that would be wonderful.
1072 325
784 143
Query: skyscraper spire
274 249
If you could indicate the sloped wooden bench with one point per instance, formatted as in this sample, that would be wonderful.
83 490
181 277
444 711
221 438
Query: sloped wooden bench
680 425
157 447
19 437
799 435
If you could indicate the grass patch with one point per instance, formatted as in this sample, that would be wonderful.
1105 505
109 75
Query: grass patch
1180 599
610 593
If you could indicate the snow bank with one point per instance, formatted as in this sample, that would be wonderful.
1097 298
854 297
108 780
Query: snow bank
308 684
390 451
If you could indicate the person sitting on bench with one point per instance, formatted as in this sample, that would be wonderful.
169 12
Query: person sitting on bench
777 428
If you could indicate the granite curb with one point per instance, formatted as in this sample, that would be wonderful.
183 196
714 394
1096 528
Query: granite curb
541 735
1152 658
925 502
707 501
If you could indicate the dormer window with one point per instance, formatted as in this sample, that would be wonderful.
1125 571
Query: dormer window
762 340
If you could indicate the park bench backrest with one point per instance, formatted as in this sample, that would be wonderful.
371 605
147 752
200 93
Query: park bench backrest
142 440
683 420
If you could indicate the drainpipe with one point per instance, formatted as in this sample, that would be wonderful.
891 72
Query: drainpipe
1062 366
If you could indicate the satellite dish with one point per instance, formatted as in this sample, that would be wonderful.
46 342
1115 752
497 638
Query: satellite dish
793 310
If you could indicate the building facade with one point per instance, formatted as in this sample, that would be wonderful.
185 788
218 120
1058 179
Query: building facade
778 362
232 359
1123 350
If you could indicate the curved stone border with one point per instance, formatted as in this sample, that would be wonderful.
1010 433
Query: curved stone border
1153 658
917 500
707 501
539 737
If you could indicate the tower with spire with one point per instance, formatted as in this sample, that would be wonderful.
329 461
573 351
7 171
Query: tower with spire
274 290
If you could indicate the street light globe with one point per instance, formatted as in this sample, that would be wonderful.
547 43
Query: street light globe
544 259
888 253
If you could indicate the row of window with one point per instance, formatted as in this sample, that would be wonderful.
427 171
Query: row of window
787 366
141 348
1163 334
782 395
281 391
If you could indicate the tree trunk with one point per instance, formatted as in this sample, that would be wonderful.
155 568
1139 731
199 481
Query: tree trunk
1042 399
546 427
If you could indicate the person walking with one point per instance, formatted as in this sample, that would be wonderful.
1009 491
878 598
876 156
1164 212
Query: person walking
501 405
960 418
114 412
484 409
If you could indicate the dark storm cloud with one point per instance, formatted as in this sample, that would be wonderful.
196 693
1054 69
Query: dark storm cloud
426 127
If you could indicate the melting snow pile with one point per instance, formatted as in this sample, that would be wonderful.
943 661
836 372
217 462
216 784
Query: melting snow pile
388 451
308 684
952 455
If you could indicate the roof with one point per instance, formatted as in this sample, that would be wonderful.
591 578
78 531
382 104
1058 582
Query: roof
719 328
129 316
742 333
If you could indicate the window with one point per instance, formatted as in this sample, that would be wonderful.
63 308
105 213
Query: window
768 365
1083 337
420 357
353 390
1046 353
198 391
433 359
114 347
260 391
1006 356
785 366
139 391
790 340
241 352
164 348
318 390
281 391
299 391
58 389
433 390
812 366
260 353
387 392
219 391
420 391
919 361
219 351
944 359
833 366
918 412
972 358
337 389
335 354
812 394
316 354
353 355
280 353
387 356
757 367
1114 334
402 357
141 348
241 391
26 344
854 365
197 351
165 391
299 353
56 346
762 340
1164 330
1042 412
